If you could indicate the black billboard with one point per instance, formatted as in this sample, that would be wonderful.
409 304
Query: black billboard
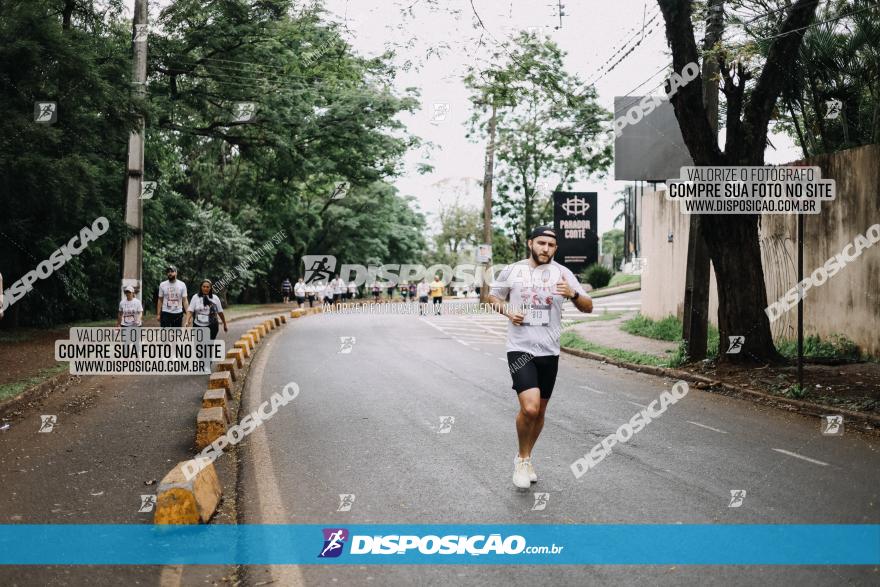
574 218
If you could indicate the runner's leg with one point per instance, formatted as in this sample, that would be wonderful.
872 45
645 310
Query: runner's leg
527 419
538 425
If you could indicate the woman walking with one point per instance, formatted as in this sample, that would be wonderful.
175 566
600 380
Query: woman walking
204 309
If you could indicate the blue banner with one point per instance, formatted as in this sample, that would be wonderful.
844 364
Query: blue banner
624 544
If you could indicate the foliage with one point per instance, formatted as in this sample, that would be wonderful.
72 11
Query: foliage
612 242
836 346
596 275
549 131
838 60
57 178
323 116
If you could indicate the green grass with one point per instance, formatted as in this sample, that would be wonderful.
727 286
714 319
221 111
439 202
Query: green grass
602 317
15 337
9 390
668 329
624 279
573 340
837 346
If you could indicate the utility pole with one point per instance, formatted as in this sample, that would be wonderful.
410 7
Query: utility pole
488 173
695 323
133 250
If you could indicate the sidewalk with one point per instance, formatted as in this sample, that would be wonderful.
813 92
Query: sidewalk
115 438
27 355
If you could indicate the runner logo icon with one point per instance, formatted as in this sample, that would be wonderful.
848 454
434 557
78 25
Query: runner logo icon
334 541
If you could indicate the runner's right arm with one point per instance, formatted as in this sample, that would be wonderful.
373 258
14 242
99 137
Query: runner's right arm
498 294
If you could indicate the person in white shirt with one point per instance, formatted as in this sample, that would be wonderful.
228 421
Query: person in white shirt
541 285
352 290
130 310
422 290
338 288
205 309
327 292
311 290
299 292
172 302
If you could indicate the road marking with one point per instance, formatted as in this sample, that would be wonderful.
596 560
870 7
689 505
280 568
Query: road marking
271 509
588 388
637 404
706 427
797 456
502 360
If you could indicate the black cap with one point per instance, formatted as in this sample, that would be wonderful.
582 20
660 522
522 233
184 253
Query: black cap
542 231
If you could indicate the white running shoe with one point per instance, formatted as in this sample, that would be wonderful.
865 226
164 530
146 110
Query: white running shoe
533 477
521 473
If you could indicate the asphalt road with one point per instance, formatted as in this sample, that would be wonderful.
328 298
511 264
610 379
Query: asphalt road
367 422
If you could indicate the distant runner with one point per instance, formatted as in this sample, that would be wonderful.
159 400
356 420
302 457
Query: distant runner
533 335
377 291
286 288
299 292
310 293
437 293
422 291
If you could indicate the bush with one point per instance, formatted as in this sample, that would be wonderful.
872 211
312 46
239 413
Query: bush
596 275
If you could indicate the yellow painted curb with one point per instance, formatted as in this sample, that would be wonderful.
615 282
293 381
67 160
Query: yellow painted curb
243 346
180 501
210 425
216 398
238 355
227 365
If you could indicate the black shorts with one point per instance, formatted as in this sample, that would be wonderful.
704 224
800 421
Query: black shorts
169 320
300 299
528 371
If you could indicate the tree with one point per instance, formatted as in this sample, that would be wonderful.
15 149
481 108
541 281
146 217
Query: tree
839 60
732 240
542 138
612 242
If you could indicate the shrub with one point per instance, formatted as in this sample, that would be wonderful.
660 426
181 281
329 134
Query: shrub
596 275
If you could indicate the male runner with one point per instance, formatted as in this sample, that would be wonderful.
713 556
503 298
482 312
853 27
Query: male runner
542 285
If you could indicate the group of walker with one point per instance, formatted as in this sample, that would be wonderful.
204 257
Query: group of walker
203 310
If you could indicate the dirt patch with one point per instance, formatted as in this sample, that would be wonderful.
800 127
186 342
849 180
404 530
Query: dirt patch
851 386
24 353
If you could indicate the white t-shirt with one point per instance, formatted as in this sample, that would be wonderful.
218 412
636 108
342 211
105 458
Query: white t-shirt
172 295
422 289
310 289
130 311
201 310
352 288
299 290
338 286
521 285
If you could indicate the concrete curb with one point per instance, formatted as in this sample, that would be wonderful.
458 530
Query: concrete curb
195 501
866 422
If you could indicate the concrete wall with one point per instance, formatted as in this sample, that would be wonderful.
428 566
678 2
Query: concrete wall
848 303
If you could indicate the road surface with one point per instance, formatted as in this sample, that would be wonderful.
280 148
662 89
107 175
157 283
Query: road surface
367 422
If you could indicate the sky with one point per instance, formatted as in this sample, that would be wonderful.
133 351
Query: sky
441 44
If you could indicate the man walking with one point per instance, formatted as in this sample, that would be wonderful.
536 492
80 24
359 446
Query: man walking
172 303
536 288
